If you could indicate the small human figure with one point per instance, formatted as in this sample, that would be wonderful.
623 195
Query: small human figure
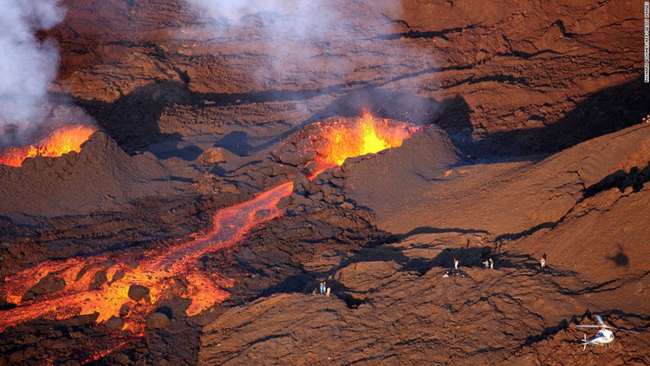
491 264
486 264
328 291
543 261
324 286
314 293
455 263
321 288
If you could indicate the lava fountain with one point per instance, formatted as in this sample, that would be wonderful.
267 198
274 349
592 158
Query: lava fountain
130 285
344 138
59 142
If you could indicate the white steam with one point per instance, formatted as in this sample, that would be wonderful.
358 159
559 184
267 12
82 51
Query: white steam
27 65
322 46
286 31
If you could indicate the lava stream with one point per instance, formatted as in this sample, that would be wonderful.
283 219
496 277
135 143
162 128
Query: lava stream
160 273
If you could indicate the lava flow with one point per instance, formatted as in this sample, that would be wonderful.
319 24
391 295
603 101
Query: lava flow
129 286
59 142
158 277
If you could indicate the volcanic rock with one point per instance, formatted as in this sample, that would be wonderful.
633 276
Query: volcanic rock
115 323
291 158
117 276
503 198
99 279
158 321
137 292
50 283
213 156
125 309
100 177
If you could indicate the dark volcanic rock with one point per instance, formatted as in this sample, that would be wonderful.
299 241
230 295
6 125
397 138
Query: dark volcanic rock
137 292
158 321
99 279
115 323
50 283
503 198
125 309
213 156
100 177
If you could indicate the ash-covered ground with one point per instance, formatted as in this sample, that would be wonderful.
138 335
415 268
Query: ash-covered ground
530 144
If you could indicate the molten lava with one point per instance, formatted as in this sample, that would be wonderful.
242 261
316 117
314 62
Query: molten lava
61 141
164 273
170 272
345 138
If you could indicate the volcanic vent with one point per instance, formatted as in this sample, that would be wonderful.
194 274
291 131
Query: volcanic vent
328 143
62 141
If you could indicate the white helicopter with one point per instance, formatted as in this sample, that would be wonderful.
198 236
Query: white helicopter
604 336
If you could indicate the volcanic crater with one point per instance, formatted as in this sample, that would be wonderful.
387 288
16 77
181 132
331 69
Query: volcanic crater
237 162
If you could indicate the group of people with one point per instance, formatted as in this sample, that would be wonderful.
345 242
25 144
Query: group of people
489 263
323 289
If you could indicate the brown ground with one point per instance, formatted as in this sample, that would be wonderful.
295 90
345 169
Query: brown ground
535 150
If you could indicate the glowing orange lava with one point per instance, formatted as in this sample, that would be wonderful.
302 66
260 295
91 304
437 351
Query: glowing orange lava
165 274
360 136
61 141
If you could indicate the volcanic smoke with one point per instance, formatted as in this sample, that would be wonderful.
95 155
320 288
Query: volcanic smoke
27 65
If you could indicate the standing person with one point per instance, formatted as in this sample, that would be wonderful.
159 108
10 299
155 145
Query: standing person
491 264
543 261
321 289
455 263
328 291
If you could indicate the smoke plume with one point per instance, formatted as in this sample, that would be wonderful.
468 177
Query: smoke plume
27 64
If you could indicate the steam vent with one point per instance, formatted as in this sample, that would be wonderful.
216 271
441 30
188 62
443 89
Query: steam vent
311 182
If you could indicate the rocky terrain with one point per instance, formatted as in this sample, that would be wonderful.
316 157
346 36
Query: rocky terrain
529 145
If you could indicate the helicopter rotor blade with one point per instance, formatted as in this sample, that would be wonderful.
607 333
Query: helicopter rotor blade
588 326
600 320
